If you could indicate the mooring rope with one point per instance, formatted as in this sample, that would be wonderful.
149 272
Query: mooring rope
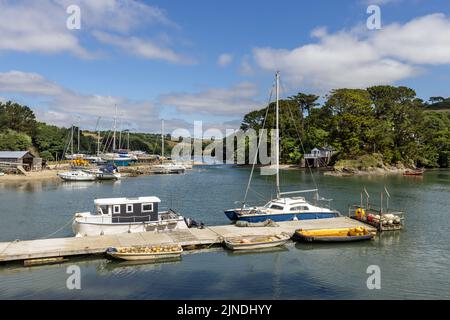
61 228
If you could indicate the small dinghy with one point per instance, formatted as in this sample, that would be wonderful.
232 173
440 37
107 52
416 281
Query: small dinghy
256 242
145 253
334 235
417 172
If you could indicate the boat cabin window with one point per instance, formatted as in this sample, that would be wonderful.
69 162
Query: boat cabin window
116 208
276 207
147 207
129 208
102 209
299 208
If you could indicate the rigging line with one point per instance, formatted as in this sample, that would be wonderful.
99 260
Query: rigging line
259 194
257 149
301 141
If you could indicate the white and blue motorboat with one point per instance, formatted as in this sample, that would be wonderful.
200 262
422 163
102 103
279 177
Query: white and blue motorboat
285 207
281 209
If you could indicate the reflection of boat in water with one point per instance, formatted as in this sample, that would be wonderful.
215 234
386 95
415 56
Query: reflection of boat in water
277 249
256 242
126 215
120 266
147 253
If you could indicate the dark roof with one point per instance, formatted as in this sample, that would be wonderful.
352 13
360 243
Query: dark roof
13 154
325 149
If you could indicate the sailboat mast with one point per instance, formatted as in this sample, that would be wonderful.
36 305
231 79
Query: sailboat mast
162 138
277 135
128 140
71 140
114 133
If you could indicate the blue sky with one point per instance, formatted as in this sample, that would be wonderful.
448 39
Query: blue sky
210 60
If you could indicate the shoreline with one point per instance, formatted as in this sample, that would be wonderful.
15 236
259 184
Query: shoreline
51 174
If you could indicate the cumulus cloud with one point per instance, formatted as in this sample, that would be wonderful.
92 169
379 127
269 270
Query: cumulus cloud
37 26
64 105
142 47
360 58
233 101
40 26
225 59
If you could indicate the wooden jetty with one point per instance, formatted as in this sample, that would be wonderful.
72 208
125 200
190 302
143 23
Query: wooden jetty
188 239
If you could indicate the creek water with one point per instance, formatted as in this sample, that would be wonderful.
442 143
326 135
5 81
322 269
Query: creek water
414 263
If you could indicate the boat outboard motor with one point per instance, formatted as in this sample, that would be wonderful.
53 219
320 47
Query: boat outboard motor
193 224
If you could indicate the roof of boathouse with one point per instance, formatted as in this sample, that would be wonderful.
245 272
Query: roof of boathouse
110 201
13 154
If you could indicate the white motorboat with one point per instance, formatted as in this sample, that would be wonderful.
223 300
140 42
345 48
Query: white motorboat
77 175
168 168
109 172
126 215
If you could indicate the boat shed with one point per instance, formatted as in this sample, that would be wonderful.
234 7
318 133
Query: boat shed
319 157
19 160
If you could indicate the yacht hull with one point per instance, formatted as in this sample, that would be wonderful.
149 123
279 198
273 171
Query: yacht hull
234 216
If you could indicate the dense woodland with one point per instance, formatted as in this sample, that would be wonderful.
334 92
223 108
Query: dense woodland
386 121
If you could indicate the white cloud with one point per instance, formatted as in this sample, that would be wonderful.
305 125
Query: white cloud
118 15
233 101
225 59
424 40
143 48
37 26
40 26
360 58
63 105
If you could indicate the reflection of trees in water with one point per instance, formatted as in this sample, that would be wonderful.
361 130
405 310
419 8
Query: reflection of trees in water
25 186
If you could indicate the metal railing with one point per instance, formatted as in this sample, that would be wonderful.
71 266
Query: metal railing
108 219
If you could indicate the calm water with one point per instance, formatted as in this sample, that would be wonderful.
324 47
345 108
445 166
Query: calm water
414 263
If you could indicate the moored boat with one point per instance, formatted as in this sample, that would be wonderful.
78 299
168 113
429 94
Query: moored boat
281 209
256 242
145 253
284 207
333 235
168 168
77 175
417 172
126 215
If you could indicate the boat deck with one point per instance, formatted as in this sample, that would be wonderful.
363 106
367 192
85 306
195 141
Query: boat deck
189 239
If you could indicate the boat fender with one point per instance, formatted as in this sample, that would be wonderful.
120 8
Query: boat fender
360 213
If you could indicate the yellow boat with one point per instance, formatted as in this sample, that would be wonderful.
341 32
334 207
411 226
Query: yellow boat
145 253
334 235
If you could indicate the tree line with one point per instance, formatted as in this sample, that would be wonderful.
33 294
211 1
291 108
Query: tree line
19 130
384 120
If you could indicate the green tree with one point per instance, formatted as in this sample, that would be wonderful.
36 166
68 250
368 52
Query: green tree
14 141
16 117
